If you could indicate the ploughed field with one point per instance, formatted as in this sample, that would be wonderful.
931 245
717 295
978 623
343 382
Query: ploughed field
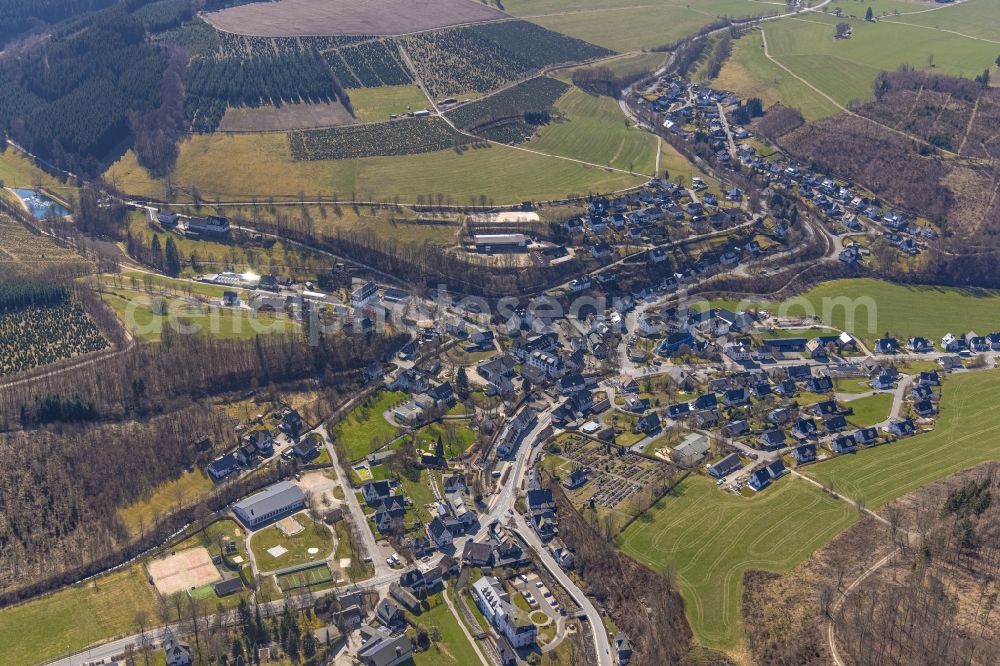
293 18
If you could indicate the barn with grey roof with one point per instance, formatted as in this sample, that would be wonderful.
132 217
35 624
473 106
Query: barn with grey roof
269 504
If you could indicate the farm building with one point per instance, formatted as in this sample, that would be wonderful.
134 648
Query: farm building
490 243
273 502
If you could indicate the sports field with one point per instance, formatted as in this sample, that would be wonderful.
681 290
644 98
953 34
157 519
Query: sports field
273 549
242 167
593 128
306 576
707 538
966 435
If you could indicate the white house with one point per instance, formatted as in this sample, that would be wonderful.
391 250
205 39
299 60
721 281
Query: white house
494 603
177 652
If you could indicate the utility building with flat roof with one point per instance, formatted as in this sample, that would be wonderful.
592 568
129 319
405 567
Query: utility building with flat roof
487 243
269 504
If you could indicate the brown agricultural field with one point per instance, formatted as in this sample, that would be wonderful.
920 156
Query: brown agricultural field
297 18
286 117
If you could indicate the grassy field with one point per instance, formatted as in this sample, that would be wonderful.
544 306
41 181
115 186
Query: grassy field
707 538
365 428
455 435
75 617
260 166
298 545
965 435
593 128
372 105
414 484
182 490
278 259
630 25
975 18
870 410
453 648
135 309
620 65
749 73
16 170
845 69
868 308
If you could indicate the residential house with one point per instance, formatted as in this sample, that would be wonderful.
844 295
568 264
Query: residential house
679 410
804 453
924 408
866 436
773 439
439 535
380 648
222 467
737 428
178 653
507 619
390 615
843 444
902 427
834 423
920 345
735 397
564 557
375 492
725 467
887 346
674 342
759 479
804 428
819 385
623 649
649 424
706 418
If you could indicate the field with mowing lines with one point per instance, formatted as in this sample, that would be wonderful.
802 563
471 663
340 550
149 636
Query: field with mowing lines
374 105
964 436
257 166
707 538
592 128
901 310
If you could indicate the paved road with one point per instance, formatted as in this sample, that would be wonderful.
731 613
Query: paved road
601 643
357 513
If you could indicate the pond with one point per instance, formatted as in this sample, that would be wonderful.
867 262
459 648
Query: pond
40 205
